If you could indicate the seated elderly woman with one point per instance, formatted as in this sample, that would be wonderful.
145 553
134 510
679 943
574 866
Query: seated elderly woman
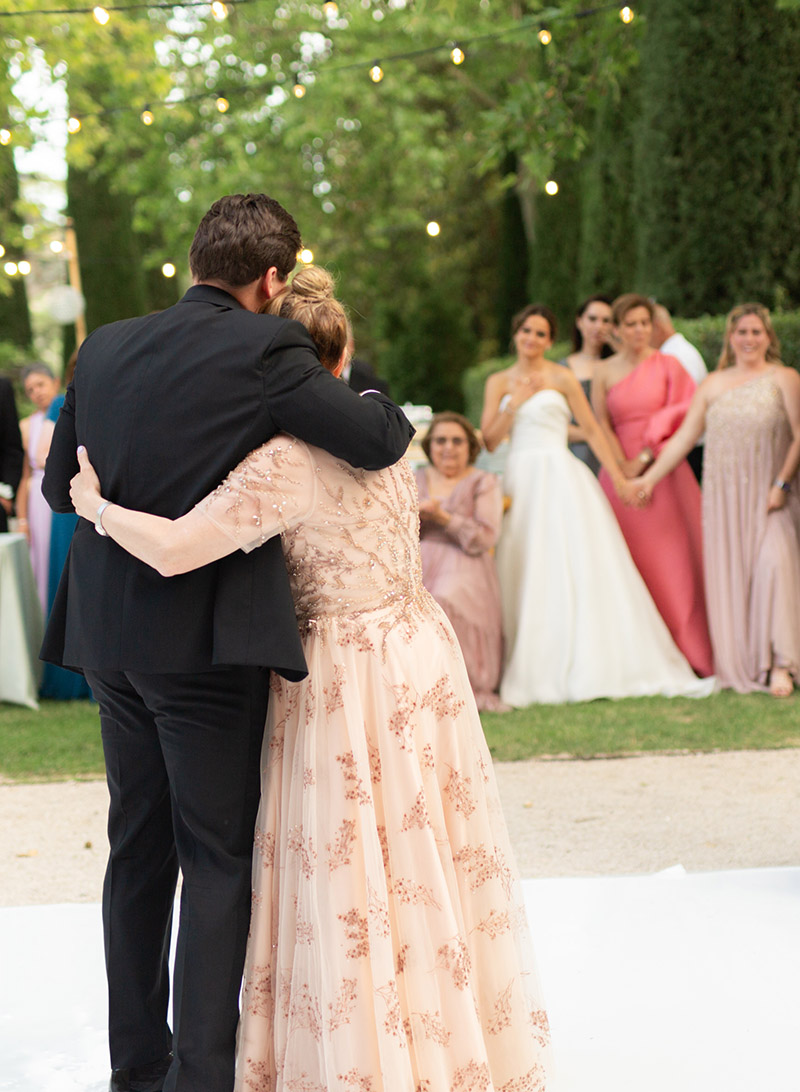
460 513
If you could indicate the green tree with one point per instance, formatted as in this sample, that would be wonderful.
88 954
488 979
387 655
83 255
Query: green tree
716 179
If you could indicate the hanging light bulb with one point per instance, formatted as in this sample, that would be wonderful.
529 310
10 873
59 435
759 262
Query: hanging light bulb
306 256
11 268
376 73
74 125
457 55
432 228
2 250
168 269
24 267
219 10
626 14
56 246
551 187
100 15
5 136
298 90
223 105
147 116
544 36
331 9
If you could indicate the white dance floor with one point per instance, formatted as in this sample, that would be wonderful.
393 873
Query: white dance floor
664 983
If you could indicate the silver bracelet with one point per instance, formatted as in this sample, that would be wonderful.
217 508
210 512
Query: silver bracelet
783 485
98 519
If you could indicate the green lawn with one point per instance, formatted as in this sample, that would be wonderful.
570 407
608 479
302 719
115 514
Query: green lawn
62 740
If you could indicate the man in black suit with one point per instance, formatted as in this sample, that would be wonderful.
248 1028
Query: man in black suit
11 453
166 405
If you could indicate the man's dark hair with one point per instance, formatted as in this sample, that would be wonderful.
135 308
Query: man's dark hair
241 237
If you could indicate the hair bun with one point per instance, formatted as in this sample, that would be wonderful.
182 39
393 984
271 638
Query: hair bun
313 283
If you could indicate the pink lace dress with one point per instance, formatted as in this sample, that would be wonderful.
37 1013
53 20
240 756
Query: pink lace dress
388 946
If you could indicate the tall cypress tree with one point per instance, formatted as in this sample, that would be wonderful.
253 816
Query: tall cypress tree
716 186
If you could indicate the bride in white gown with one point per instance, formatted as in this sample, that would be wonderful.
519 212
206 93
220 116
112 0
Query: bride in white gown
579 622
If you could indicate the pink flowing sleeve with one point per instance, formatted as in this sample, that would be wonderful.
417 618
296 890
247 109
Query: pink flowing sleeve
680 388
478 531
270 491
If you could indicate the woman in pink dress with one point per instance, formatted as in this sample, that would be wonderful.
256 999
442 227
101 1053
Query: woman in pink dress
34 514
749 409
388 945
460 512
640 396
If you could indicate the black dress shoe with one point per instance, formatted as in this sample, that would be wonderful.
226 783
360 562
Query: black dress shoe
141 1078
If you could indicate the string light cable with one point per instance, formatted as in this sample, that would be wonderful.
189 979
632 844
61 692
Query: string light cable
375 67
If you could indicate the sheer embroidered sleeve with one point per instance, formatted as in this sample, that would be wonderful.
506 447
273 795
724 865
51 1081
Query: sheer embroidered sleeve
270 491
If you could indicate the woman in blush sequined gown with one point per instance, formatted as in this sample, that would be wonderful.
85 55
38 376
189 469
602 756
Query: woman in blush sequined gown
640 397
460 511
750 411
388 946
579 622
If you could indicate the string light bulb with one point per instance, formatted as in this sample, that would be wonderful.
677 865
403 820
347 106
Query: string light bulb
74 125
5 136
298 90
331 9
457 55
11 268
219 10
2 250
376 73
626 14
306 256
56 246
551 187
147 117
24 267
223 105
168 269
100 15
544 36
432 228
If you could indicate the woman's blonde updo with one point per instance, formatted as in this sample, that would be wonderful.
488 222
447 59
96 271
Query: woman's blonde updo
310 299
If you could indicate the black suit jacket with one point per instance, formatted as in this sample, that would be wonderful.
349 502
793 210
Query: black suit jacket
363 377
166 405
11 453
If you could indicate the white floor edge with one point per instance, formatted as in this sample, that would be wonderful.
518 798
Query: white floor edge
674 982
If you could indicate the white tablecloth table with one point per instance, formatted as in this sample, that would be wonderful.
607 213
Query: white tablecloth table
21 624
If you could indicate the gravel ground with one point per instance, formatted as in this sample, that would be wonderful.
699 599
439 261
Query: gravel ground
605 817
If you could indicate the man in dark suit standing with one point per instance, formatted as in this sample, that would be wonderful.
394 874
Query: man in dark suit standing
166 405
11 453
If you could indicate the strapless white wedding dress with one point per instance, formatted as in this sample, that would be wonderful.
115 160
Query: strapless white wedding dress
579 622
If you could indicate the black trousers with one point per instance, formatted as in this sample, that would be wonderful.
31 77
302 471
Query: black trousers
182 759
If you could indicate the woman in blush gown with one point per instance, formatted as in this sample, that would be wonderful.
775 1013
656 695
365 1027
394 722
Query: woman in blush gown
749 409
579 622
388 945
460 510
640 397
